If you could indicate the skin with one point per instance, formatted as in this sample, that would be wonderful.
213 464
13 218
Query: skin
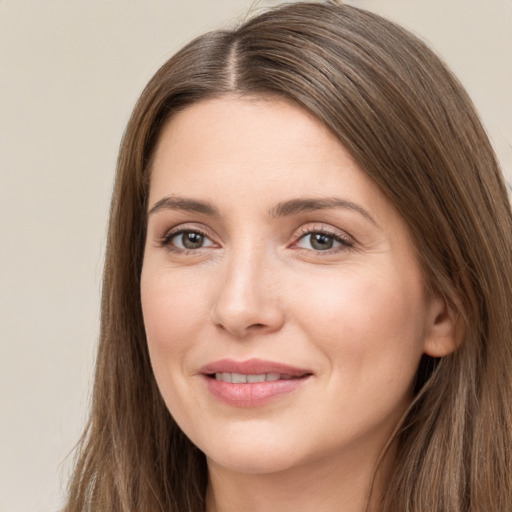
356 315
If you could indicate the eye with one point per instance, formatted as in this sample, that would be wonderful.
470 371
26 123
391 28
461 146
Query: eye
322 241
187 240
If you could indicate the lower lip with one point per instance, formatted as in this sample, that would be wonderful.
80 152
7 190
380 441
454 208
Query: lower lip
253 394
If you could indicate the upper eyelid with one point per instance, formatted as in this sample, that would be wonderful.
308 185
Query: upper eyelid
322 228
183 227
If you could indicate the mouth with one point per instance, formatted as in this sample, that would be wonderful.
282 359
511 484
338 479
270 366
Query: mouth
252 383
259 368
241 378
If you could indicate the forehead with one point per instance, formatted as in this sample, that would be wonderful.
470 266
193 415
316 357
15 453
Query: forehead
228 128
260 147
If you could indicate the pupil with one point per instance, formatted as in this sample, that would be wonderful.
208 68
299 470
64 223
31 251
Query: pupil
192 240
321 242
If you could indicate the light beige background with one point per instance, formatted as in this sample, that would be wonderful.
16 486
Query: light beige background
70 72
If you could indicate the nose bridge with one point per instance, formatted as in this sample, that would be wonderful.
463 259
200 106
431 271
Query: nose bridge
246 297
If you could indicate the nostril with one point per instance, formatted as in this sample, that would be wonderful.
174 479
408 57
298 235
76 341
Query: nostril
242 318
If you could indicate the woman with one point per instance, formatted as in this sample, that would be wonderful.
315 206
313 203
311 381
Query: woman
308 282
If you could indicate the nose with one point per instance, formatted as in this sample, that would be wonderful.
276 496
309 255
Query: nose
247 300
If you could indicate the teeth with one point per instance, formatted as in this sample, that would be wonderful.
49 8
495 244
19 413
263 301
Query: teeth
239 378
256 378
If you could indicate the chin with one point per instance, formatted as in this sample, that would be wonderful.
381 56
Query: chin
253 462
252 454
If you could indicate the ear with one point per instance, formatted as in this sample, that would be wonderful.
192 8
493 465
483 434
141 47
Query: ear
444 329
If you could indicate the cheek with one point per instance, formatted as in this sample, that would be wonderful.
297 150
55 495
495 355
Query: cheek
366 323
174 310
173 314
370 331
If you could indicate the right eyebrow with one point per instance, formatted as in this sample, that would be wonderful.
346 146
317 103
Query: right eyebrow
185 204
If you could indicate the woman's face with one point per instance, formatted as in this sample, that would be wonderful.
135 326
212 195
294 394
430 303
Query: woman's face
283 302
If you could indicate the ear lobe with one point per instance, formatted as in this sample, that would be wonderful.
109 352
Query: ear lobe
444 330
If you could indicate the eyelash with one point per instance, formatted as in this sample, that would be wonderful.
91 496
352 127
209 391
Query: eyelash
345 243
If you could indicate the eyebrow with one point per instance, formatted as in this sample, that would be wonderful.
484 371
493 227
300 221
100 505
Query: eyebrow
284 209
296 206
185 204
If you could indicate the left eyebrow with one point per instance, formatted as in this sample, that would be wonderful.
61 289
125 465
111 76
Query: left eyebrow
295 206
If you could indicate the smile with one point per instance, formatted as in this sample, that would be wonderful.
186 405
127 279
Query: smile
252 383
240 378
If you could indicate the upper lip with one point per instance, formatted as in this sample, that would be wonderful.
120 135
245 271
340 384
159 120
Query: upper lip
252 367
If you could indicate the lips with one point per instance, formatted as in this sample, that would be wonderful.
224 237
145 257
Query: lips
253 367
242 378
252 383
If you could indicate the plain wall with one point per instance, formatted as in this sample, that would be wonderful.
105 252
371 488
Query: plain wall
70 72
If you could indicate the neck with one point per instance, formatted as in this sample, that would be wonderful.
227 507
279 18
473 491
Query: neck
326 486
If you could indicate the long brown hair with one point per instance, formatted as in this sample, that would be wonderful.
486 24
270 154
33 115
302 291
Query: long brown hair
409 124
